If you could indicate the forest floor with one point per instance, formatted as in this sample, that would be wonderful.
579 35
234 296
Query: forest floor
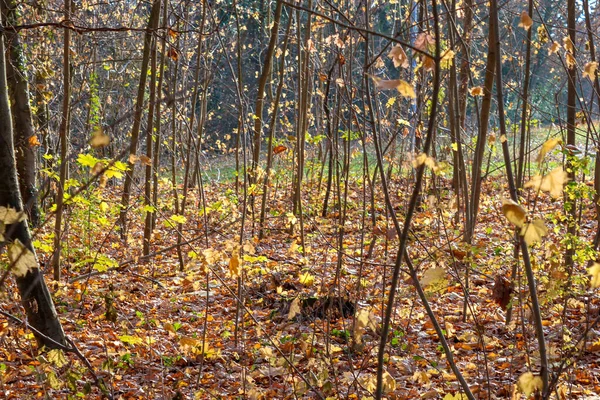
309 324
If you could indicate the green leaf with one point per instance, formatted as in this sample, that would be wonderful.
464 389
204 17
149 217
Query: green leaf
57 358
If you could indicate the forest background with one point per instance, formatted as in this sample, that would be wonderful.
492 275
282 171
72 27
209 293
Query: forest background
299 199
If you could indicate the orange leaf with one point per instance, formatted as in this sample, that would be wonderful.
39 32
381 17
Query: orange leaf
33 141
279 149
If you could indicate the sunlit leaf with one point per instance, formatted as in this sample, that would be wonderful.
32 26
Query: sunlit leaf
447 59
476 91
552 182
525 21
554 48
57 358
279 149
180 219
529 383
87 160
534 231
589 70
594 272
513 212
547 147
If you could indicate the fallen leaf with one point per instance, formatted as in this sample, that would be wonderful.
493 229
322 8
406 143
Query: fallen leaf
294 308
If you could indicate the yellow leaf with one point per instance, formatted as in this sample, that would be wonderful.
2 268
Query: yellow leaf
406 89
589 70
57 358
513 212
447 57
525 21
389 383
534 231
529 383
99 139
594 272
552 182
457 396
234 265
398 56
104 207
547 147
294 308
307 279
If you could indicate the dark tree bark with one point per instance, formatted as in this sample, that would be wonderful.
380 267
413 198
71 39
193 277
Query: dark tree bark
34 294
21 113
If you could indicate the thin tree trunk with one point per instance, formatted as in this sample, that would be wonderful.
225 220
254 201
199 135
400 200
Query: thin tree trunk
64 143
137 119
262 82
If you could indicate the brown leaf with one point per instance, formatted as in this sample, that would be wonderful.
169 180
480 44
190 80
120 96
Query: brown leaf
502 291
279 149
398 56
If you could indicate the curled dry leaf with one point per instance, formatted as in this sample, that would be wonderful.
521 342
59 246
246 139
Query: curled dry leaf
513 212
525 21
403 87
547 147
145 160
502 291
398 56
279 149
294 308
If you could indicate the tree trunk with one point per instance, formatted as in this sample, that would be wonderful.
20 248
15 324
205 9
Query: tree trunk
35 296
21 112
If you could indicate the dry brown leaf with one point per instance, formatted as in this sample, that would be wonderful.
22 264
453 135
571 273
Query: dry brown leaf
398 56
